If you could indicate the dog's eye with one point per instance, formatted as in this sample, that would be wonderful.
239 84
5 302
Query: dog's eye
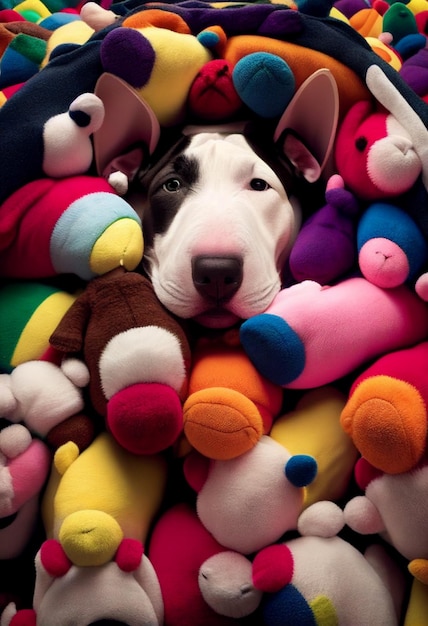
172 185
258 184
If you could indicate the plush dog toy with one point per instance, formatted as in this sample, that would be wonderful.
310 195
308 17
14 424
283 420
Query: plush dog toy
201 581
313 335
312 579
124 590
261 491
137 356
386 412
95 499
394 506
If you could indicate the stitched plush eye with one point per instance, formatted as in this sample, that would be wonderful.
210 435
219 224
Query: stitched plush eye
172 185
361 143
258 184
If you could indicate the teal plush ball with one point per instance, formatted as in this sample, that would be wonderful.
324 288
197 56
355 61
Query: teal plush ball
265 83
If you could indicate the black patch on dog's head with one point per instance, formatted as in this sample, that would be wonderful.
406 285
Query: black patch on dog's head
161 205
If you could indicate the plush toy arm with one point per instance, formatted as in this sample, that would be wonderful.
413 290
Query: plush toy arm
321 519
69 335
273 568
362 516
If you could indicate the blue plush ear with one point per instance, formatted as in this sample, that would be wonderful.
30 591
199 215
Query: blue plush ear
301 470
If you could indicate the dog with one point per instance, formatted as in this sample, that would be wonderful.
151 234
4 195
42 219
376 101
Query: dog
219 222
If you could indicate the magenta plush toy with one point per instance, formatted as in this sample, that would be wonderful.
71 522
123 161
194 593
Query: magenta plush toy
202 582
374 153
313 335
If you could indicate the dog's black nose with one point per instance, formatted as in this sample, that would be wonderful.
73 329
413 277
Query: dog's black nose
217 277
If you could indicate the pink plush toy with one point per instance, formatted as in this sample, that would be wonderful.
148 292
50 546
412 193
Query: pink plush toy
395 506
313 335
202 582
374 153
261 491
24 468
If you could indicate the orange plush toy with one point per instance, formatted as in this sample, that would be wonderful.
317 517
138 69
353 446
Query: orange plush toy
230 405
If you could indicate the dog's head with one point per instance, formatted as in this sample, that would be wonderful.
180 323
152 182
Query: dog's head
221 210
219 225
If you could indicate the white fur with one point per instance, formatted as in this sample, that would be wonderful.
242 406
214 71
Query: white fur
223 215
149 354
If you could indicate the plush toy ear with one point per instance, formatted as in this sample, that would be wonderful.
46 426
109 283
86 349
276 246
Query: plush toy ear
130 130
313 115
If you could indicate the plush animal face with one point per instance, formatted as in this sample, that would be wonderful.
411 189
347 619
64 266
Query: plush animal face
221 224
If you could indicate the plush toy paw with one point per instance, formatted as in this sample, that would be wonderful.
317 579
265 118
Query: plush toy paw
221 423
145 418
419 569
386 413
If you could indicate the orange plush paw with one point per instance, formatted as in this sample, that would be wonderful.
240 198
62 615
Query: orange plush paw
221 423
419 569
387 420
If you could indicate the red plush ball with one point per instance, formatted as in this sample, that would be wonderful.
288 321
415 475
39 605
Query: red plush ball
212 96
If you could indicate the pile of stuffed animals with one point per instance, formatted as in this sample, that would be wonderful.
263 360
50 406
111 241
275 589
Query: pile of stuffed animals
273 473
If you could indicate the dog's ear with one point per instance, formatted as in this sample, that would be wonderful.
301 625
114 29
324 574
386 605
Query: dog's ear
130 130
300 156
312 115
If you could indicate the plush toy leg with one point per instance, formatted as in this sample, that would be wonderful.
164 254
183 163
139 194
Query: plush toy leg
386 413
221 423
145 418
313 335
417 608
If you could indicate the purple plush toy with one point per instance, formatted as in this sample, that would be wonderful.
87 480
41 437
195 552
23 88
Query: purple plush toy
325 248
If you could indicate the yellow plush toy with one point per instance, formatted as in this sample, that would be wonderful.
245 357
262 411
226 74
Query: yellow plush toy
98 498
